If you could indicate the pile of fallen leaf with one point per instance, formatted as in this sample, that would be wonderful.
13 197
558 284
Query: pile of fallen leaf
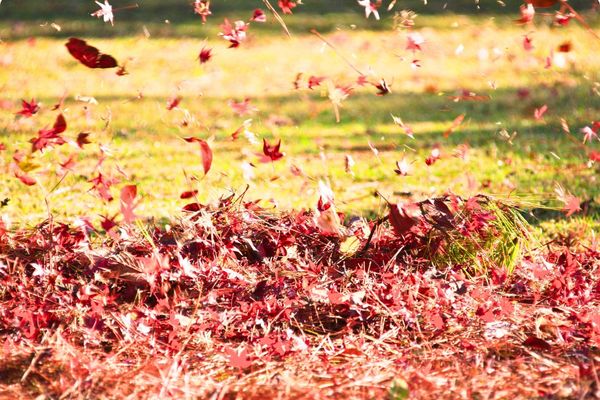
238 301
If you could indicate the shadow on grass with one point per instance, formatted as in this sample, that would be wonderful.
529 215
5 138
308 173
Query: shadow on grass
504 107
365 116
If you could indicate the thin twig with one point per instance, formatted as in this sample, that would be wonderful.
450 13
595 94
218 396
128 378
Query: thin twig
277 17
317 34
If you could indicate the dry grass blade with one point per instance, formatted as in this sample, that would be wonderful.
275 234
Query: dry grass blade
277 17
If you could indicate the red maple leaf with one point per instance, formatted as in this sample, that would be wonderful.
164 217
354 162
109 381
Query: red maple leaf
173 102
205 151
314 81
434 156
28 108
287 5
382 88
563 19
272 151
82 139
527 43
188 194
259 16
102 184
542 3
89 55
23 177
565 47
402 218
50 137
414 40
205 55
108 223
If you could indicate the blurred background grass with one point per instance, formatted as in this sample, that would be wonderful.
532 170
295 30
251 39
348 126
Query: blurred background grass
160 41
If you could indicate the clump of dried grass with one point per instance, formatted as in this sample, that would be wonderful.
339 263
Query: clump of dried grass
499 236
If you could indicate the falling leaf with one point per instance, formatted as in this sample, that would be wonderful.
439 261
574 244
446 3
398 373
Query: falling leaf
173 102
565 47
434 156
538 113
314 81
50 137
23 177
287 6
205 55
188 194
414 41
542 3
348 164
337 94
105 11
407 129
259 16
242 108
455 124
527 14
271 151
527 43
202 8
370 8
128 205
572 204
88 55
28 109
382 88
235 33
82 139
590 133
205 152
403 167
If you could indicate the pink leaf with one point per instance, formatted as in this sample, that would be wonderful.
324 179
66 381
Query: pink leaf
128 205
538 113
238 359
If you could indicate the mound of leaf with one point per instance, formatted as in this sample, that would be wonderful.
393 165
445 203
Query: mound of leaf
236 300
